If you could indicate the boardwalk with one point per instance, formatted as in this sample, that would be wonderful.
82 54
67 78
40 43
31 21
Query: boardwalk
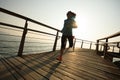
82 64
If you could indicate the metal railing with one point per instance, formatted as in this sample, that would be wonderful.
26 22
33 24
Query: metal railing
105 47
26 29
22 43
85 44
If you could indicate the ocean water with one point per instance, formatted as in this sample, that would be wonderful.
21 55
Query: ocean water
34 43
9 47
9 44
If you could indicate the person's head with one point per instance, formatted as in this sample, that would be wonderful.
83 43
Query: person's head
71 14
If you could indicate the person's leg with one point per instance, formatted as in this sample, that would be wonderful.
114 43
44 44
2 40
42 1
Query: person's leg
63 45
70 38
61 53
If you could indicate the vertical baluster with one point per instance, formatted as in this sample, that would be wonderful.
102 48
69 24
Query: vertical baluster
55 42
118 45
90 45
97 46
113 49
106 55
105 49
82 44
21 47
74 44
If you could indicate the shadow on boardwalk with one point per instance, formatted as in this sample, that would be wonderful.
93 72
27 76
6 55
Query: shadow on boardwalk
80 64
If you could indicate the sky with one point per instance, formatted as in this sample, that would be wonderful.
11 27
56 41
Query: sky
95 18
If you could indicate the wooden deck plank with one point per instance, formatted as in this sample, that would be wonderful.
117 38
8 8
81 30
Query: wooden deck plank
28 71
12 70
81 64
81 59
37 67
20 68
115 76
90 70
95 62
77 69
95 58
100 72
5 73
63 68
71 70
54 67
50 68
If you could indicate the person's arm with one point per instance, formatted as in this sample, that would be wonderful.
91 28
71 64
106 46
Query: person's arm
74 24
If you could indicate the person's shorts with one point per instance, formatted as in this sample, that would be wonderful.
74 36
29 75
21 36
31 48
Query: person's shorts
64 41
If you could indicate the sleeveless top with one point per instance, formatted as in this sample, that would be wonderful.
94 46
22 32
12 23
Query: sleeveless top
68 25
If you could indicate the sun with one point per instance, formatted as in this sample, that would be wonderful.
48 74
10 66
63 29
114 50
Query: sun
82 26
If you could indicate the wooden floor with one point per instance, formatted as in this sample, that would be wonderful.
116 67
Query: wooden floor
82 64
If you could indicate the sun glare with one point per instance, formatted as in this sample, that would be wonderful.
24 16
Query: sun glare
82 27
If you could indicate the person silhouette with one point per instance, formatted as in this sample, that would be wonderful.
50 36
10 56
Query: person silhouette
67 33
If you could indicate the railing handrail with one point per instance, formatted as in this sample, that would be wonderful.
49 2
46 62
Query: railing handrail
85 40
111 36
19 27
14 26
26 18
107 45
25 29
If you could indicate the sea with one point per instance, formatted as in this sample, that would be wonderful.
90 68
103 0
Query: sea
34 43
10 40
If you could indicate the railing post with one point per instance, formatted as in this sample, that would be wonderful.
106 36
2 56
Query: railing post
118 45
74 44
90 45
82 44
97 46
21 47
55 42
105 48
113 49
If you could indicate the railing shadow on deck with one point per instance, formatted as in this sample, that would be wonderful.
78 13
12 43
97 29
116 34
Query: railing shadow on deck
41 62
22 43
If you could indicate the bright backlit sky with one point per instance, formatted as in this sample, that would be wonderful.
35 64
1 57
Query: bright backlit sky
95 18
